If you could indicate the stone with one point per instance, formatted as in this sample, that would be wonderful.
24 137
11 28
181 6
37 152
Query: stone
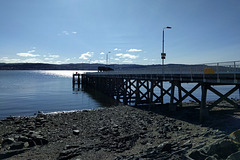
211 158
26 144
235 136
234 156
187 144
9 154
197 154
76 132
7 141
222 147
17 145
74 127
165 146
37 138
23 138
199 146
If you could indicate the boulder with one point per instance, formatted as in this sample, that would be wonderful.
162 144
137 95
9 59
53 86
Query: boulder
17 145
7 141
223 148
234 156
211 158
197 154
235 136
165 146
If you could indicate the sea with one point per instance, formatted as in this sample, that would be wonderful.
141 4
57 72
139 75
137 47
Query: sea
26 92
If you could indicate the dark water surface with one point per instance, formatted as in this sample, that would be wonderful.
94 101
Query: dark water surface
23 93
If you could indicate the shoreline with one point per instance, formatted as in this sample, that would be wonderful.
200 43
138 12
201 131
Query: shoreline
118 132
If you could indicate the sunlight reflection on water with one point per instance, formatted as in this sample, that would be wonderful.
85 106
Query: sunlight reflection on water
62 73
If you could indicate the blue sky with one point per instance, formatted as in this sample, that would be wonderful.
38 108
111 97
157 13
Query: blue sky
76 31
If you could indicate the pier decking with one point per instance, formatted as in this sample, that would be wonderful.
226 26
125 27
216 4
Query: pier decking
146 86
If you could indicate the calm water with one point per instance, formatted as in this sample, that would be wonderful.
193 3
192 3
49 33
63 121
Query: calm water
23 93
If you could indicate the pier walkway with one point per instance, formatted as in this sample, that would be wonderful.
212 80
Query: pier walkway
146 86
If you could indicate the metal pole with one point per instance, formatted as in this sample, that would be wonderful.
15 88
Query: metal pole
162 53
107 58
163 42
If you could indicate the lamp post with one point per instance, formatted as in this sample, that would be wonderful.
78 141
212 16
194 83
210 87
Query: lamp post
163 55
107 59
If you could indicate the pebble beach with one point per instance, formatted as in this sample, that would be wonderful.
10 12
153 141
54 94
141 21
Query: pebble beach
121 133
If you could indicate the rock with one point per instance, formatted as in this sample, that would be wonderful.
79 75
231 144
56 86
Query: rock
7 141
74 127
211 158
23 138
76 132
197 154
234 156
26 144
199 146
17 145
37 138
223 148
219 136
187 144
165 146
235 136
9 154
19 129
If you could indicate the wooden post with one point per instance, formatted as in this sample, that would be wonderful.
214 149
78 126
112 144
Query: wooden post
172 106
203 109
125 92
73 80
162 92
78 80
179 93
137 93
151 91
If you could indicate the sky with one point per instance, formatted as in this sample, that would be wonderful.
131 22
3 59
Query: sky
127 31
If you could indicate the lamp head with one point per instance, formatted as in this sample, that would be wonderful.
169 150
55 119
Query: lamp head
169 27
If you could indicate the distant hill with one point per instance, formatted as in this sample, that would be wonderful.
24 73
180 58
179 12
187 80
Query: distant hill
78 66
169 68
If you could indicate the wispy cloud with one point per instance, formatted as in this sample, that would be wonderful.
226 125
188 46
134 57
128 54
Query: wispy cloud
28 54
67 60
119 54
134 50
129 56
9 60
98 61
117 49
54 56
102 53
65 33
33 60
86 55
126 56
127 61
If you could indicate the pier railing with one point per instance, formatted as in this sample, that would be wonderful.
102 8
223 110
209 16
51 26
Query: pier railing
208 68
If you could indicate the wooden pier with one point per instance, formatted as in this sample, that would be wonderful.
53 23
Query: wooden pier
76 79
147 86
